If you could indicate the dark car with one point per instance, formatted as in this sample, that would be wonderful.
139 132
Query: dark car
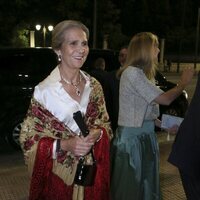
23 68
20 71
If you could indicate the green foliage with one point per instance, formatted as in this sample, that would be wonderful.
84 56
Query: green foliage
108 16
20 37
173 20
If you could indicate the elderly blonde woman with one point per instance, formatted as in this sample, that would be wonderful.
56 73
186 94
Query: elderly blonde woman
135 154
50 138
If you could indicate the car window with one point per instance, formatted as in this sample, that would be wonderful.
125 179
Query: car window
26 66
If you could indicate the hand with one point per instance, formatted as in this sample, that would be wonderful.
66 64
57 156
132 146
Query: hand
94 135
158 123
186 76
173 129
79 146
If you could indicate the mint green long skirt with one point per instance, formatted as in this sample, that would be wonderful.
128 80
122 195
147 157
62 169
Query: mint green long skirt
135 164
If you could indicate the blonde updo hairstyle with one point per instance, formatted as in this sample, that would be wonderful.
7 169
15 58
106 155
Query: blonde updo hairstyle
140 53
58 34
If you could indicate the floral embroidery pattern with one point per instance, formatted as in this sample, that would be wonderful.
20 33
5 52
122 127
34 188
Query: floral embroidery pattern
41 123
96 115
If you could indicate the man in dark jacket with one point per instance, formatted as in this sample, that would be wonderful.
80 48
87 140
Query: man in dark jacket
114 88
185 152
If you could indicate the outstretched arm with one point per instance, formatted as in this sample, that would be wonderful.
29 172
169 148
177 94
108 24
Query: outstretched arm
167 97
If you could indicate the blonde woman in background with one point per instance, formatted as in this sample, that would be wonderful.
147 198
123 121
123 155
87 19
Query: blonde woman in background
135 153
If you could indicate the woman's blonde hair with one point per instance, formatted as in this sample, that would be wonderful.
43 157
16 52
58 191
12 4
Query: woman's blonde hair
60 29
140 54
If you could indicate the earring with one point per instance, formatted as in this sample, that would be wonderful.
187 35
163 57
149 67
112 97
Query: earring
59 58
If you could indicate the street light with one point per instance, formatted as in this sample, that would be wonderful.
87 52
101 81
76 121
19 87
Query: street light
44 30
32 38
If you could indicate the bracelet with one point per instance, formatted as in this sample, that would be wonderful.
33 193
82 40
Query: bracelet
59 151
101 134
58 146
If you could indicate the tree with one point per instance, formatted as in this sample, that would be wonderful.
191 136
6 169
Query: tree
108 25
119 19
168 19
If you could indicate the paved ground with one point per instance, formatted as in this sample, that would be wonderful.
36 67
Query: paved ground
170 182
14 181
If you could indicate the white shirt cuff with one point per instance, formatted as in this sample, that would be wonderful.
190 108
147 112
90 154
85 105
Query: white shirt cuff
54 156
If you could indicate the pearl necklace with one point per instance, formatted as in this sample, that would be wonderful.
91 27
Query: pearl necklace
75 85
